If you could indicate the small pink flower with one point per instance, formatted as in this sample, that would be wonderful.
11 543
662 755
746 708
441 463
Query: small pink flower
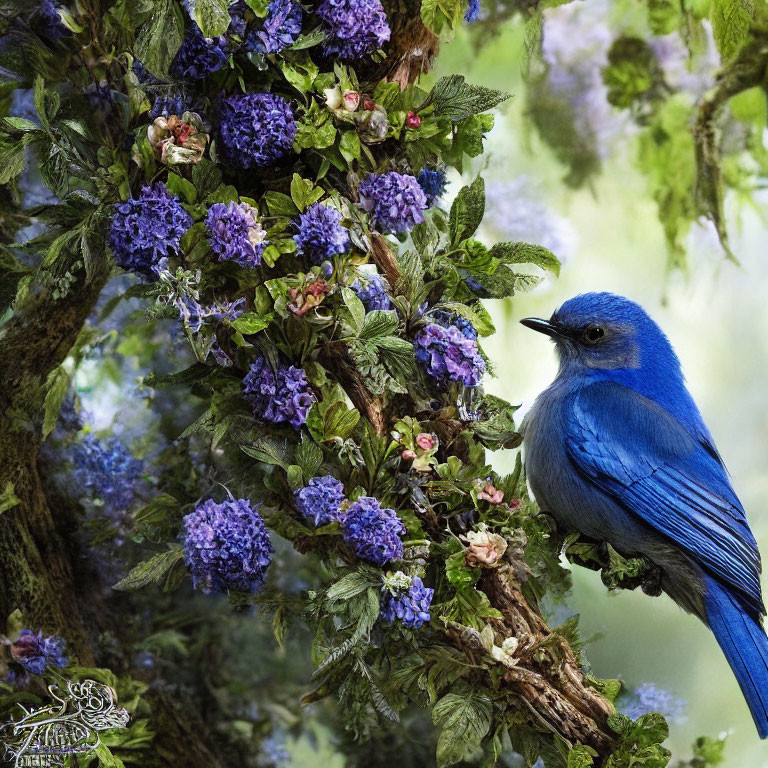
484 549
408 454
425 441
412 120
351 100
491 493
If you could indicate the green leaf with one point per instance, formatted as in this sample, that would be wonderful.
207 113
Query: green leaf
304 193
300 72
106 758
355 306
280 204
251 322
270 449
581 756
57 384
453 98
525 253
8 498
467 211
294 476
309 456
152 571
212 16
13 159
349 146
159 39
180 186
465 719
731 23
378 323
352 585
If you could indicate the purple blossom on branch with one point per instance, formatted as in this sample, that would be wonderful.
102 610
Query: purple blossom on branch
321 499
373 531
394 201
256 129
321 235
355 27
226 546
432 183
36 653
107 469
372 292
448 319
146 228
448 355
281 28
278 395
235 233
410 608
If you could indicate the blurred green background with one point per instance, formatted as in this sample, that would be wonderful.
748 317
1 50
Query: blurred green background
717 319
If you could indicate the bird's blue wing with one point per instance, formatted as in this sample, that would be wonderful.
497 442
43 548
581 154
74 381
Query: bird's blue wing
635 451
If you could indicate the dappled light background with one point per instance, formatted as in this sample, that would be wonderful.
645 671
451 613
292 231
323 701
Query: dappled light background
609 238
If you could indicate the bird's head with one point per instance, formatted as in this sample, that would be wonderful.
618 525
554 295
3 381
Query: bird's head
607 332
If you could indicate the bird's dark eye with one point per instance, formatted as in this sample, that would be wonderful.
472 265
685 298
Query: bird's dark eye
593 334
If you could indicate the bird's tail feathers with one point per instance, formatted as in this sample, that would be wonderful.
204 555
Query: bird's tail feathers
745 645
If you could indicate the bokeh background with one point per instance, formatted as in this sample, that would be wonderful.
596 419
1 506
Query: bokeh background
716 316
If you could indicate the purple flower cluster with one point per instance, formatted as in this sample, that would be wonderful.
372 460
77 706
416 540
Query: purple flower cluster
372 292
198 56
166 105
256 129
226 546
106 469
394 201
411 608
355 28
648 698
195 315
447 354
145 228
321 235
235 233
321 499
281 28
278 395
48 13
448 319
36 653
473 11
432 183
373 531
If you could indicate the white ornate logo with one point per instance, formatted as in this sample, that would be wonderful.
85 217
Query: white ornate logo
50 736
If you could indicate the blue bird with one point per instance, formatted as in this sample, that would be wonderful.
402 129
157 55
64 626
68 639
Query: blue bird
617 449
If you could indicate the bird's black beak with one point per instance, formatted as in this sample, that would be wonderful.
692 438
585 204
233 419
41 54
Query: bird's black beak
542 326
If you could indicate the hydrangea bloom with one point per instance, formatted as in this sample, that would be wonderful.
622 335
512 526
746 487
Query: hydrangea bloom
146 228
226 546
321 235
372 292
281 28
235 233
373 531
432 183
256 129
411 608
321 499
108 470
198 56
394 201
449 355
35 652
355 27
448 319
277 396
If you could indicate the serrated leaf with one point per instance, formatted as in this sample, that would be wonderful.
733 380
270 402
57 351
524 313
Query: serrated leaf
526 253
309 456
456 99
159 39
355 306
731 23
378 323
467 211
465 720
352 584
57 383
212 16
151 571
270 449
